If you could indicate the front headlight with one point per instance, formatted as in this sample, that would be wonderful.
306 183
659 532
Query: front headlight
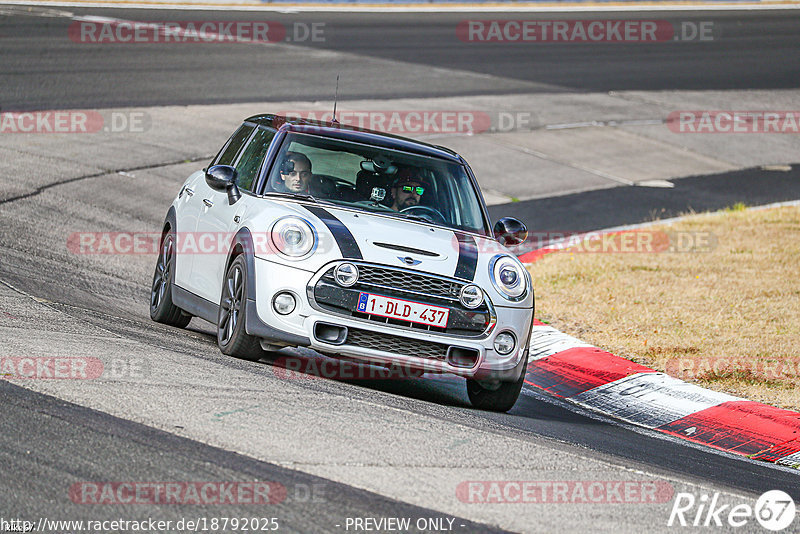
293 236
508 277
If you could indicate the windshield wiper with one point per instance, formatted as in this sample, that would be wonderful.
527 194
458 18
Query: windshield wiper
298 196
417 218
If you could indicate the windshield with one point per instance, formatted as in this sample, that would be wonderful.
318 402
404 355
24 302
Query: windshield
378 180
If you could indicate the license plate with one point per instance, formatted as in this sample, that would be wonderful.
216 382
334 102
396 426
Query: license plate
405 310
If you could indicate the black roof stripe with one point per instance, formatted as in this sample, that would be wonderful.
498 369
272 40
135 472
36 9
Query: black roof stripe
467 256
345 240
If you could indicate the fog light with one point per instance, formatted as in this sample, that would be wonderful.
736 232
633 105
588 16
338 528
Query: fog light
284 303
346 274
471 296
504 343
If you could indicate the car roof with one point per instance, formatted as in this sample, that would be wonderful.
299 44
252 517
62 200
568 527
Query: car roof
353 133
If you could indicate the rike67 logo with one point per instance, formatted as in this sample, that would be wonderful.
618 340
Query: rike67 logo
774 510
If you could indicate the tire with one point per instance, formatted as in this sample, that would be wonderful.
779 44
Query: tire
162 310
498 397
231 336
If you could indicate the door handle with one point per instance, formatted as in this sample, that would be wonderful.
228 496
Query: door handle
208 202
189 192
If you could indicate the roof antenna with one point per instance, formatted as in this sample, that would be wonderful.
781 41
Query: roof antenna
335 98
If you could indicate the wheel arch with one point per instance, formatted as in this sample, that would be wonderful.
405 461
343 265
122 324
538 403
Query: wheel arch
242 245
170 223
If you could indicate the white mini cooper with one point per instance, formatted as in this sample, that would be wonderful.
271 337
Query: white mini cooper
354 243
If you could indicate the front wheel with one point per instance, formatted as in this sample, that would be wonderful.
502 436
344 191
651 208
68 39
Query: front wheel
162 310
496 396
231 336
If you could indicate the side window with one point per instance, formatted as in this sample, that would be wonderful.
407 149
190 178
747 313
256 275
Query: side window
228 155
250 161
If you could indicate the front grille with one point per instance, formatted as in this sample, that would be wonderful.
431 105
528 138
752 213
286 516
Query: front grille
408 281
404 284
398 345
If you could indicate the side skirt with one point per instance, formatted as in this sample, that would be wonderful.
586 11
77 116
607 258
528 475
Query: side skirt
197 306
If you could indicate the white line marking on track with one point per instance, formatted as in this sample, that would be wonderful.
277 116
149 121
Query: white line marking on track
651 399
546 341
793 460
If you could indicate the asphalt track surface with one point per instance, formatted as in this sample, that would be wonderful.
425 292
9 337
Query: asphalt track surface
595 210
392 56
49 443
66 435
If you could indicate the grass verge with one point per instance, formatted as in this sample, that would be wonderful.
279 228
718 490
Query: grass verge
713 299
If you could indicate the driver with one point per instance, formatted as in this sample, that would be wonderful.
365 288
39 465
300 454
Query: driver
295 173
407 189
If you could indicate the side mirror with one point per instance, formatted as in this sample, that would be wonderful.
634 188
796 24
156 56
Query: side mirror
510 231
222 178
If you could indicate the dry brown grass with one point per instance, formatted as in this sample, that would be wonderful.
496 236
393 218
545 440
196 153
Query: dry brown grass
730 315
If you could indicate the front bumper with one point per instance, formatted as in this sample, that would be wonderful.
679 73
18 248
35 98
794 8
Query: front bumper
379 343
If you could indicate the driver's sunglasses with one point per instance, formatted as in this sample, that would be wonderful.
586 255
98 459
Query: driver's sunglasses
410 188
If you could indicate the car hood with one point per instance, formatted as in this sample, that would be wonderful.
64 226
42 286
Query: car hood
401 242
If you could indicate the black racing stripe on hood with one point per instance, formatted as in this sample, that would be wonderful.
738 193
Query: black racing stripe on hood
345 240
467 256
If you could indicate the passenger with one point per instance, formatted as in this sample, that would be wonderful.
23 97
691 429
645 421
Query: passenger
407 189
295 174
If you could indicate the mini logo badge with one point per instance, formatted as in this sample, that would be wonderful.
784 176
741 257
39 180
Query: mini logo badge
408 260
